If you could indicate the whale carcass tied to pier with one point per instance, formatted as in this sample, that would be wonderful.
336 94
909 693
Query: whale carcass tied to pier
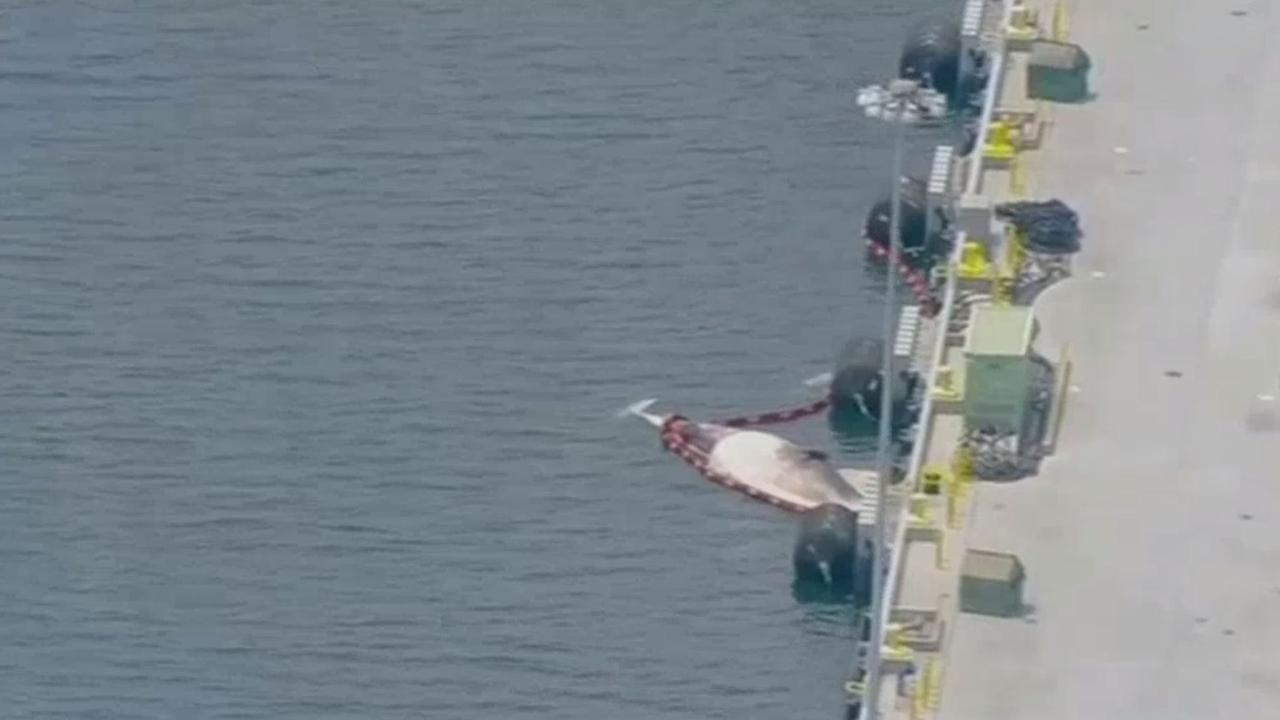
830 559
758 464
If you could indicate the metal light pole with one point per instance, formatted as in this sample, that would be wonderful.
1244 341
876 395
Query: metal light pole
901 93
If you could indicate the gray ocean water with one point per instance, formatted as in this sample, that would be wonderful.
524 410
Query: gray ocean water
314 318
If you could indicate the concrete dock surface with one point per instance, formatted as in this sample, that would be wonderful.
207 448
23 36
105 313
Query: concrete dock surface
1152 537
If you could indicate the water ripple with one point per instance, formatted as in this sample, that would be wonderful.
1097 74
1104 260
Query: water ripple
316 324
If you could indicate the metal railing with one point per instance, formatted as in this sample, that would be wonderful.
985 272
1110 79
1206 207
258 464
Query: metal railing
924 431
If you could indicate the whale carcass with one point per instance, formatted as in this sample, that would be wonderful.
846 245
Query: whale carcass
830 557
758 464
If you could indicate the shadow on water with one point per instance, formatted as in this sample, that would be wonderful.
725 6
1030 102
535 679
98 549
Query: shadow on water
819 595
839 620
853 430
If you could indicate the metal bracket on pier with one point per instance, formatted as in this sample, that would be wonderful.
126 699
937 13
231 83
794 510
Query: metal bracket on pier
971 25
939 187
904 344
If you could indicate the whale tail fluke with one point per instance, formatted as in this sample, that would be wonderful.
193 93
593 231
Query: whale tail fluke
640 409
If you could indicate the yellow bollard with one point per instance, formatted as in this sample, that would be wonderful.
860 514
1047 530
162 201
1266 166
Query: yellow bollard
895 648
973 261
893 635
1000 141
1003 139
933 479
1010 131
1001 133
946 387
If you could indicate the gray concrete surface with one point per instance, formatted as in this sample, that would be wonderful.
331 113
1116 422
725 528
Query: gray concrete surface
1152 539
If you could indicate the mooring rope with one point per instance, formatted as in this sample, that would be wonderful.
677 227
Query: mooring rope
915 279
778 416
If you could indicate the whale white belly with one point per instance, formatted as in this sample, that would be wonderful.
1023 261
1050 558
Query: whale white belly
781 469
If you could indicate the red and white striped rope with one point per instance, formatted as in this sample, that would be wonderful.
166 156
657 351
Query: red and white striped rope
915 279
778 416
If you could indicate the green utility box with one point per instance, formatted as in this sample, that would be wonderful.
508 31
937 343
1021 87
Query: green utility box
991 584
998 368
1058 72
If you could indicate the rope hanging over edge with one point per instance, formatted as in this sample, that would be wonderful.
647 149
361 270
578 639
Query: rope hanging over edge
917 281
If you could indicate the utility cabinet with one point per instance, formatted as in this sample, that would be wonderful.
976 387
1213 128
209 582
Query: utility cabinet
1058 72
991 584
998 368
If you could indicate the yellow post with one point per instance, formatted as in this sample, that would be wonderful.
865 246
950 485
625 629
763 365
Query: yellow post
1017 176
957 493
1061 22
1017 250
962 469
962 463
953 507
1063 387
1001 289
919 700
931 683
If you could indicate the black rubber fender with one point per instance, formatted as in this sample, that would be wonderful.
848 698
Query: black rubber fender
931 55
855 383
826 555
914 204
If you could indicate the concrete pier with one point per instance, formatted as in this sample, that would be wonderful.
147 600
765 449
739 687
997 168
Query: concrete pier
1151 539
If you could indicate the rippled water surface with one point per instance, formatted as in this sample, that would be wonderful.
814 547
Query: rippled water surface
315 317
